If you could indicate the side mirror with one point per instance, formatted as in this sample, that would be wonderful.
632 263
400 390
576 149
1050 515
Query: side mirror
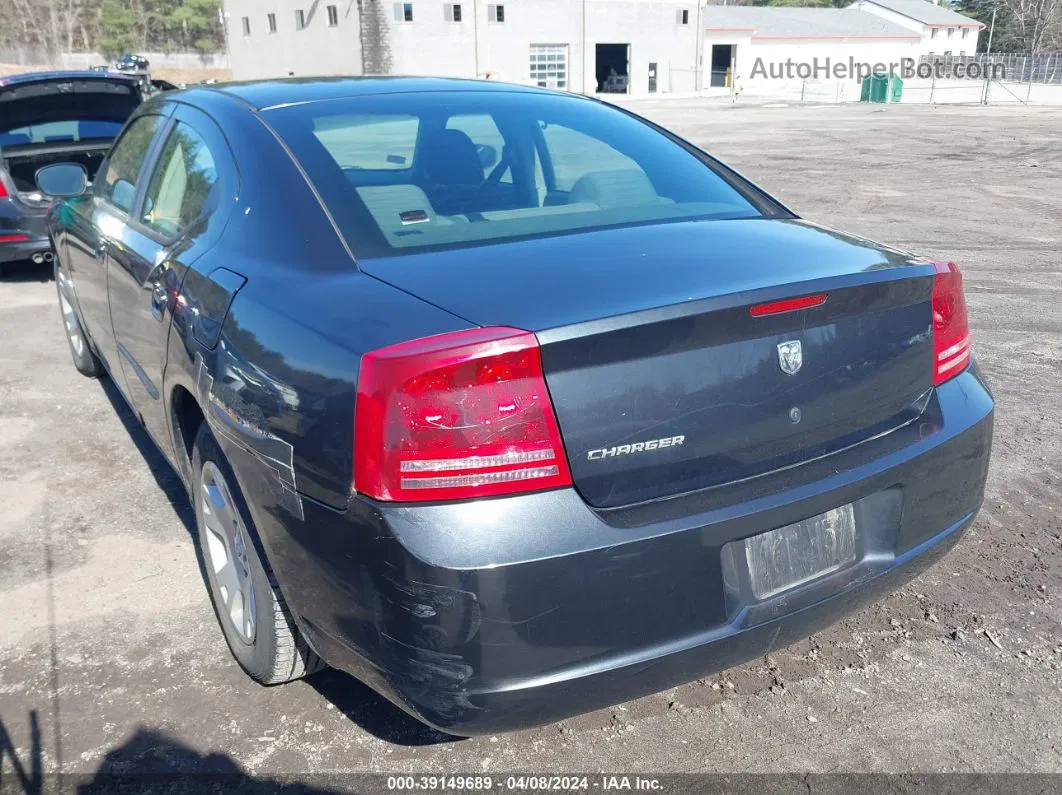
488 155
62 180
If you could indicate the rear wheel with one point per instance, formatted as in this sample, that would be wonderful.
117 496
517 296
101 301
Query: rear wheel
80 351
247 601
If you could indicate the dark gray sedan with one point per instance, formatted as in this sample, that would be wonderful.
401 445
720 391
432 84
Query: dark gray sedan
508 402
45 118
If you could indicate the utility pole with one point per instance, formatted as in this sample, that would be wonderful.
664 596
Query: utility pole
583 55
991 29
698 49
475 39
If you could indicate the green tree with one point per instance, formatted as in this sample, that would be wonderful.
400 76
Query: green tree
117 27
195 24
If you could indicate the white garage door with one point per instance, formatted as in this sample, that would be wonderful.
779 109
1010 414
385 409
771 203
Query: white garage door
549 65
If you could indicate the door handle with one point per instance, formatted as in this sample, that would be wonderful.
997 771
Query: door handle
158 300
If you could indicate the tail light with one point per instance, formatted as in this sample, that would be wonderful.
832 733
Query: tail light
3 190
13 238
951 329
456 416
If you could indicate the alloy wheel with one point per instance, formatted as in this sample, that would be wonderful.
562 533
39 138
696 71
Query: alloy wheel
227 552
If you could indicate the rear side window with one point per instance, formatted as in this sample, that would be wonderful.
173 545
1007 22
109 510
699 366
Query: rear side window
184 177
127 160
403 173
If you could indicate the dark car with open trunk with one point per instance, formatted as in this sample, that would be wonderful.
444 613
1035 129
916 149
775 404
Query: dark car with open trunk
46 118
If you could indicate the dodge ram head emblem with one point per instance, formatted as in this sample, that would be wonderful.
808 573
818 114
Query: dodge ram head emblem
790 356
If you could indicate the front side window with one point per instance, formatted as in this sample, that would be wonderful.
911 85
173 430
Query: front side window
181 185
377 142
407 173
126 161
488 140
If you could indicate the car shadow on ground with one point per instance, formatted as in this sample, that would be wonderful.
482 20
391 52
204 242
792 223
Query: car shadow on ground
149 761
25 271
359 703
165 476
374 713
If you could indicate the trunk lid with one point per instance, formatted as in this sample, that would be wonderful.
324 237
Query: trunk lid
663 380
62 99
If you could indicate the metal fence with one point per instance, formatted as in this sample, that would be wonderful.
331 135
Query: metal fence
1043 67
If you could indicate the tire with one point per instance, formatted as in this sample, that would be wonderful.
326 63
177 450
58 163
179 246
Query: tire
252 613
81 352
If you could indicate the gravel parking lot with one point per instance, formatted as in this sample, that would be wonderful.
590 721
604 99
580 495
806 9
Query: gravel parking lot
111 659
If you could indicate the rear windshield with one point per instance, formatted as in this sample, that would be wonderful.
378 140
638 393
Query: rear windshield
74 130
413 172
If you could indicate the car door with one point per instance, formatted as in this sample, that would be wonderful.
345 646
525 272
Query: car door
179 212
93 220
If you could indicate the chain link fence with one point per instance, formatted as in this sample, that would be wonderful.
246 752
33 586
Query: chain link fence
996 79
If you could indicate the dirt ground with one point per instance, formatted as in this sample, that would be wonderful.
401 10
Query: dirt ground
110 657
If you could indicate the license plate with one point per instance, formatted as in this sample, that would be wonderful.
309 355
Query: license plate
798 553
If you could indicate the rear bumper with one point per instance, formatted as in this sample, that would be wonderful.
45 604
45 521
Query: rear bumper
17 219
499 614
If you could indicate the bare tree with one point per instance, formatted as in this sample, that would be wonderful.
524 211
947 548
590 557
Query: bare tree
1035 24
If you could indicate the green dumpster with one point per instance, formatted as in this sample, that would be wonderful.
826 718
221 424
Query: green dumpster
880 88
897 89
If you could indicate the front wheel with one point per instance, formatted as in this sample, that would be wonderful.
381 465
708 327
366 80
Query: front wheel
84 359
247 601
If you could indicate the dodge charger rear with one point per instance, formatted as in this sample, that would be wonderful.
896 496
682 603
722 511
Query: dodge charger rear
517 406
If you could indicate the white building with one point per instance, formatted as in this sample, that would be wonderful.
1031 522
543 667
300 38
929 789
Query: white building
568 44
757 44
585 46
942 31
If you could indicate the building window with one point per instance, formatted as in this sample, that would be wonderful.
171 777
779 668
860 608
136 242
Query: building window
300 19
964 32
684 16
951 32
246 26
452 12
333 17
933 33
549 65
495 13
403 12
272 23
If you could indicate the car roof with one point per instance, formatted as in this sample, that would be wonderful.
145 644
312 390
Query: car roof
265 94
70 74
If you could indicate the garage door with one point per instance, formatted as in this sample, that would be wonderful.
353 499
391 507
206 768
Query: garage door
549 65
